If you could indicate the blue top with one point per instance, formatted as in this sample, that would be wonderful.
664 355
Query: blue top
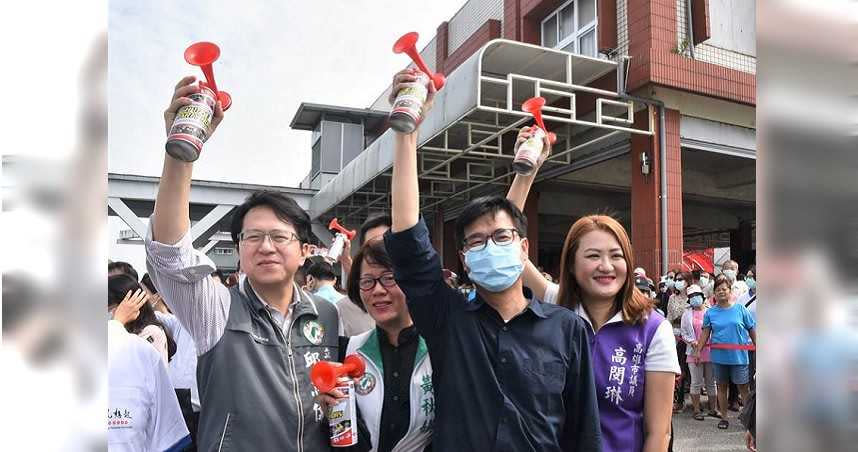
524 385
329 293
729 326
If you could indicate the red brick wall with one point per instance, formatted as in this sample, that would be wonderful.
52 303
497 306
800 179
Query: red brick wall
646 206
512 20
441 44
652 37
488 31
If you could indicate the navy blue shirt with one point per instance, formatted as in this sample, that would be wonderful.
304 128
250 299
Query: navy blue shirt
524 385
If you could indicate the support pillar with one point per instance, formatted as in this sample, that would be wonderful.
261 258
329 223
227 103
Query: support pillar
646 194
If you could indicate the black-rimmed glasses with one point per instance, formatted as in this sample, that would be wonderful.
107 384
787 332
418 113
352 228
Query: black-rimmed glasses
501 237
386 280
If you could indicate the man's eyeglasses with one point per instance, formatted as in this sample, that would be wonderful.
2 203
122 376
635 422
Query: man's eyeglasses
278 237
501 237
386 280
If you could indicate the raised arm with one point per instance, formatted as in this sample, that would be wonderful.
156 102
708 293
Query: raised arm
172 217
181 273
518 191
405 192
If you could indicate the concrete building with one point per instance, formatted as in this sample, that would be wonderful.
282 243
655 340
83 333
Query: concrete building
653 102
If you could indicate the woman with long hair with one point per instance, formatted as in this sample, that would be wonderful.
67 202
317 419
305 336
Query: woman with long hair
124 290
633 348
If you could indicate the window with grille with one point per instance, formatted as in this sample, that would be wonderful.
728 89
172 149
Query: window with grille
572 28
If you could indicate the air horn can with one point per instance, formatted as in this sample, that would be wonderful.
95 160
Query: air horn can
341 235
529 152
342 417
190 128
408 106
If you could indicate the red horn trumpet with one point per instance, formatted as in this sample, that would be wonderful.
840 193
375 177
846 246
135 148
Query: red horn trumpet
335 225
534 106
407 44
203 54
324 374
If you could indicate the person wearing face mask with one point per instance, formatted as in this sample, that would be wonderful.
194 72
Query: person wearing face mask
511 373
699 366
705 285
676 306
678 300
730 269
749 299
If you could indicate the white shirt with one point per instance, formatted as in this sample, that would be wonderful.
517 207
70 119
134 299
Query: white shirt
183 366
143 413
661 355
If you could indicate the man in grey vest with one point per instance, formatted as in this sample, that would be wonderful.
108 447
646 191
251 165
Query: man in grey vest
257 340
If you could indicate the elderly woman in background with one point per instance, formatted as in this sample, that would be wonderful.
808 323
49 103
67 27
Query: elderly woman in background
699 366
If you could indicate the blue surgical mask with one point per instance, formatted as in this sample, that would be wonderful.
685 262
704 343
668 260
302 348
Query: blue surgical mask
495 268
679 285
730 274
696 301
668 283
751 283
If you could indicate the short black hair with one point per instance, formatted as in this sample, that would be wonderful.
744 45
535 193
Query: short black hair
322 271
124 268
283 206
374 253
373 221
489 205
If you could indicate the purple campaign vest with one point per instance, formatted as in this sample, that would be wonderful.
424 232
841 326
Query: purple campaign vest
619 352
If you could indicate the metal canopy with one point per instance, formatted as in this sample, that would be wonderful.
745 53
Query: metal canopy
466 142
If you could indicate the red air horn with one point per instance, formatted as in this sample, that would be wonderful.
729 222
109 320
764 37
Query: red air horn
407 43
335 225
203 54
324 374
534 106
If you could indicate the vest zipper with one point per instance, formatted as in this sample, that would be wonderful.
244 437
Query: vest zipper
223 435
295 391
294 376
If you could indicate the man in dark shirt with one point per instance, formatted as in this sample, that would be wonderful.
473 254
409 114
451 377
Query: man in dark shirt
510 373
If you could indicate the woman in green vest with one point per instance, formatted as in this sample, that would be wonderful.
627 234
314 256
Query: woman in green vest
394 397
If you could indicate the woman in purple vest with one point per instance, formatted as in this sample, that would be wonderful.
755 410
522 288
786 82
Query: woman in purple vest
634 351
633 347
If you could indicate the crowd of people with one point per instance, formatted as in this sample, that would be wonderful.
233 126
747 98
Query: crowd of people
503 357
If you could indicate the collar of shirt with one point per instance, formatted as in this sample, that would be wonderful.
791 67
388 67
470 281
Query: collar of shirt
407 335
618 317
329 293
282 319
532 305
